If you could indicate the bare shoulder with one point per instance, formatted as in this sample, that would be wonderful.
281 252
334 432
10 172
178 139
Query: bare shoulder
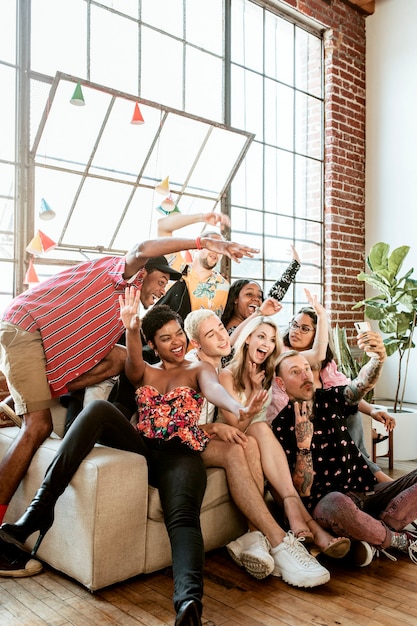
225 374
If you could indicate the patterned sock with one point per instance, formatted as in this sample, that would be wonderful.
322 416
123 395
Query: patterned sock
399 541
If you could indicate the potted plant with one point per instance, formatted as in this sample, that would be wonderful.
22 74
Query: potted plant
394 307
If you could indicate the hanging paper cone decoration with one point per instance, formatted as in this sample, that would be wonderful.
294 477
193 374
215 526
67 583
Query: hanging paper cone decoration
187 257
40 244
163 187
168 204
45 212
161 209
77 96
31 275
137 116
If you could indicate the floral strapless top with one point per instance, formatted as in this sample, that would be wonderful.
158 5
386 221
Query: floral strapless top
171 414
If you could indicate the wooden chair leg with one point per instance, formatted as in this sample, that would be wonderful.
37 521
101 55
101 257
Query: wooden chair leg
391 450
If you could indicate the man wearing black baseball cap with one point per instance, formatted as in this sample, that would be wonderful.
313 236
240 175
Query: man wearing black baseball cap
156 276
66 327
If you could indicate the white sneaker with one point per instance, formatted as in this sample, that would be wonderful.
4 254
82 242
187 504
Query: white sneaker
255 557
242 543
362 553
296 565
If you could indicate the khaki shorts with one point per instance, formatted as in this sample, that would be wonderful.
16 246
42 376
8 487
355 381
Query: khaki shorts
22 361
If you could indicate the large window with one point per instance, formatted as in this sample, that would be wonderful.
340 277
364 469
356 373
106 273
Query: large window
276 92
230 66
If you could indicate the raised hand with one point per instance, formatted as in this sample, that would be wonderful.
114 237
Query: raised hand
129 306
270 306
314 303
255 405
371 342
234 251
256 377
214 218
303 426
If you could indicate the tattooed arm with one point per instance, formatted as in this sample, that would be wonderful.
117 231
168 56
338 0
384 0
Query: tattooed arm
371 342
303 472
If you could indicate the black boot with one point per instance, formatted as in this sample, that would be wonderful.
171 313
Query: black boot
38 516
189 614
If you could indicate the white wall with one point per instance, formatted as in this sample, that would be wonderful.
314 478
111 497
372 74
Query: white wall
391 161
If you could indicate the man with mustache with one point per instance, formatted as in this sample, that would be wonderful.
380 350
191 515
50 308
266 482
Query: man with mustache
331 475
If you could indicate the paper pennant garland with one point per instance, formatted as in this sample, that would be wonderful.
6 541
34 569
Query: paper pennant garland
161 209
77 96
188 257
40 244
137 116
31 275
45 212
163 187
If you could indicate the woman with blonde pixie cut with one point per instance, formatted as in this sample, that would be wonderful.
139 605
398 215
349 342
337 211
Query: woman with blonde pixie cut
192 322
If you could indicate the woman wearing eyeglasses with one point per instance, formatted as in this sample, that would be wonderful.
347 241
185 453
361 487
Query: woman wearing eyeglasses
308 333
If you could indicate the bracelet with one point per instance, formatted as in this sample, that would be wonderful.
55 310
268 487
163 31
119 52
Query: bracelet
303 451
198 243
323 342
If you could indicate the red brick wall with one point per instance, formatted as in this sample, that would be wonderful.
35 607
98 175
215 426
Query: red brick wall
344 194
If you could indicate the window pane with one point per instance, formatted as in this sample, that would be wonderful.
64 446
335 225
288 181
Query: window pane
279 41
109 64
162 78
248 183
308 188
279 181
279 115
166 15
247 103
204 24
308 123
247 34
204 85
128 7
8 31
308 63
59 36
7 113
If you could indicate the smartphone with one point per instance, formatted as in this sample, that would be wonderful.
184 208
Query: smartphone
362 327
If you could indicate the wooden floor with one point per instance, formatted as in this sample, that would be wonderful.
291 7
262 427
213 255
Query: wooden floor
384 593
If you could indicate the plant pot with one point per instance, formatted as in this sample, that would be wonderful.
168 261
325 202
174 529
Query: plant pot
405 434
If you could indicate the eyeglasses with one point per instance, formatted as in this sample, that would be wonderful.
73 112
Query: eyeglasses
303 328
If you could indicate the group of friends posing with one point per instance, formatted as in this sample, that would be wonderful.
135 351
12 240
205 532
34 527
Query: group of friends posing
222 389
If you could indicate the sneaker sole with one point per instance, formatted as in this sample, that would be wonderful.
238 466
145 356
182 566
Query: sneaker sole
257 567
235 551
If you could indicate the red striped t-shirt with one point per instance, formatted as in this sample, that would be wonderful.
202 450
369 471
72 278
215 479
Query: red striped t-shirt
78 316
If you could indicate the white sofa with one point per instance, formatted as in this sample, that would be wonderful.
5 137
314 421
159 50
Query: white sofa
108 523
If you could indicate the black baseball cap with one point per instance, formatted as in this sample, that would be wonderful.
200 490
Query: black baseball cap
160 263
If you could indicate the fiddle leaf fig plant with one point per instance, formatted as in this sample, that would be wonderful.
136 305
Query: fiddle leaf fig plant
394 307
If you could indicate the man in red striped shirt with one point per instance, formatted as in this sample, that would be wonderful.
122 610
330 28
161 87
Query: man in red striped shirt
59 330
